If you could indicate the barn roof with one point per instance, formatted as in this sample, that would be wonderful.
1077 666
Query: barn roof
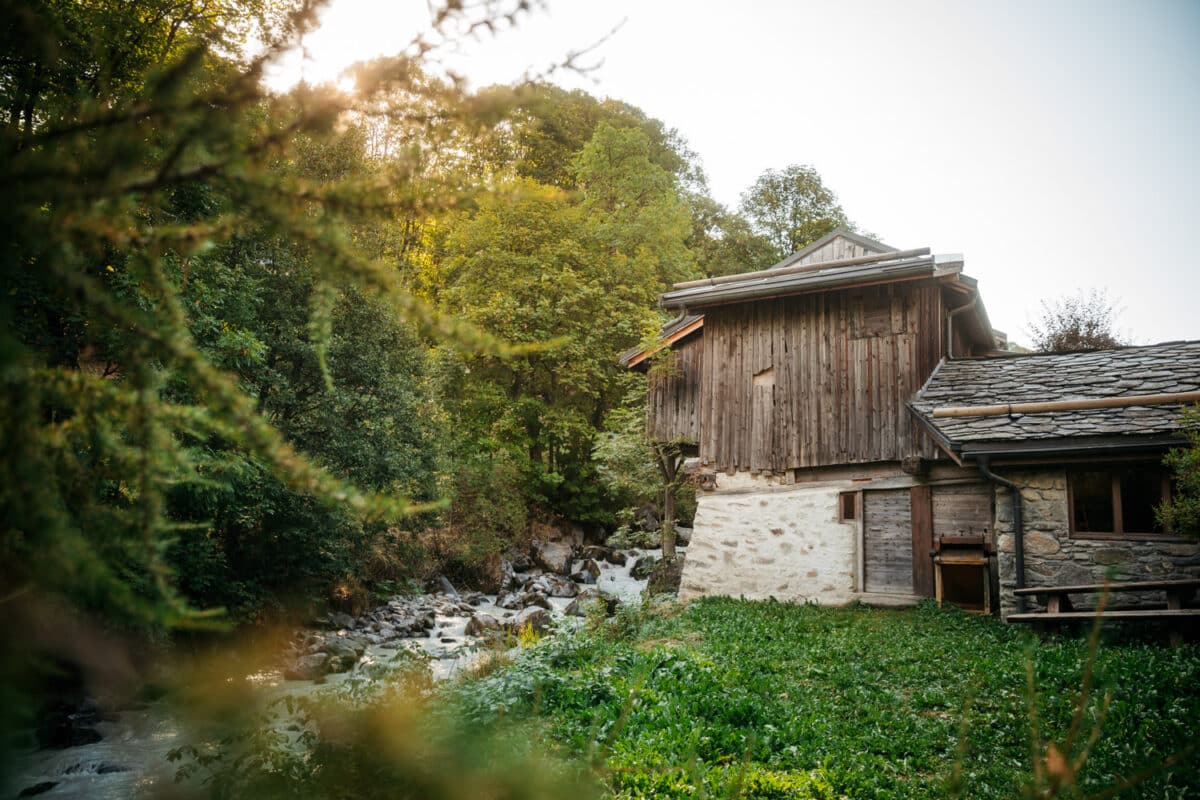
1130 397
777 282
672 332
868 244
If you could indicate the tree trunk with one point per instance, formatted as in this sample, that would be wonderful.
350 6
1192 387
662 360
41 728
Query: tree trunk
668 466
668 521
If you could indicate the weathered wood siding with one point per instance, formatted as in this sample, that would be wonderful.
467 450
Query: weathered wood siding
818 379
887 541
673 410
835 250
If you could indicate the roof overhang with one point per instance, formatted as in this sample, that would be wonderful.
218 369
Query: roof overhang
639 355
764 286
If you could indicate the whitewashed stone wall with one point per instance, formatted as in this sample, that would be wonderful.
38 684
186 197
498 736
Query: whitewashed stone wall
1052 557
759 540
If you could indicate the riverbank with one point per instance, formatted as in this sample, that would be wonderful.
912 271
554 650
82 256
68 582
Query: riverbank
120 752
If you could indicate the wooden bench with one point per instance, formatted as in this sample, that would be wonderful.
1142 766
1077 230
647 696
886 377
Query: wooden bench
1059 610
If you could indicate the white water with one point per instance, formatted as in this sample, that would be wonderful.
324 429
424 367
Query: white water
137 741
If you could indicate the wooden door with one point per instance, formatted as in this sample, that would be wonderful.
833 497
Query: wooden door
887 541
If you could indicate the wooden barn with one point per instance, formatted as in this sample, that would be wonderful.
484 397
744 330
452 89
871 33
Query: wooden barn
823 476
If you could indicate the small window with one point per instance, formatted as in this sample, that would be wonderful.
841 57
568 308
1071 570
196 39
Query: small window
847 506
1117 503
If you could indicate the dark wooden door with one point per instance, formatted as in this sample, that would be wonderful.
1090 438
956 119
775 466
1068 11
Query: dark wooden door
887 541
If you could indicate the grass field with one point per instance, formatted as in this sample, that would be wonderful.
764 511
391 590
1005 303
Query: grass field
733 698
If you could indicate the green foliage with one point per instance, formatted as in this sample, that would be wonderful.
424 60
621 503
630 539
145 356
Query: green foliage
1181 514
535 264
792 207
844 702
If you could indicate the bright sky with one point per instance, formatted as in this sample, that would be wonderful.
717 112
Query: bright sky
1056 144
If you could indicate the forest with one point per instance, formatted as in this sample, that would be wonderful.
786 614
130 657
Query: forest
267 356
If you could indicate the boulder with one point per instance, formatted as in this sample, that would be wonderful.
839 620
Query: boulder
589 597
308 668
535 617
533 599
553 557
341 620
482 624
664 577
559 587
643 567
683 536
343 653
616 557
595 552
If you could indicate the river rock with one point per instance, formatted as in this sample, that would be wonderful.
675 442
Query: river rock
343 653
616 558
341 620
535 617
482 624
553 557
308 668
683 536
588 597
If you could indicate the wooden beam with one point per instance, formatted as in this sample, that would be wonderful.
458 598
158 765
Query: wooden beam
1004 409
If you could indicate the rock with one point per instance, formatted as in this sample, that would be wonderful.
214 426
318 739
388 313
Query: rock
69 725
533 599
643 567
588 597
616 557
482 624
535 617
37 788
340 619
343 654
665 576
1041 544
511 601
559 587
595 552
476 598
683 536
308 668
519 560
553 557
583 577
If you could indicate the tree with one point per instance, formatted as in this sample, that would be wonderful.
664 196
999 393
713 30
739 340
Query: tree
1084 321
1181 514
792 208
535 263
636 469
161 206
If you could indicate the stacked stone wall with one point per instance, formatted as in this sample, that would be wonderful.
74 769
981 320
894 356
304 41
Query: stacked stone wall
1052 557
784 543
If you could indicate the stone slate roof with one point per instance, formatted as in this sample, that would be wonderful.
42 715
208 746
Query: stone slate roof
1154 369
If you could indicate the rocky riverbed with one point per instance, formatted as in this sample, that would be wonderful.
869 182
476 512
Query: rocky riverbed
97 753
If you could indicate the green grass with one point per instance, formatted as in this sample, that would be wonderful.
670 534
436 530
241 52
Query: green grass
772 700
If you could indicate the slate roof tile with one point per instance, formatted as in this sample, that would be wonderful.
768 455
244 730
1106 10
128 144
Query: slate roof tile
1164 368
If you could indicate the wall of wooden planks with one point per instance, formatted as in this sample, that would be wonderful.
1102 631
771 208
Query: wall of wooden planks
673 407
816 380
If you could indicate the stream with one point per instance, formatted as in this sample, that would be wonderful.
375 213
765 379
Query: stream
130 756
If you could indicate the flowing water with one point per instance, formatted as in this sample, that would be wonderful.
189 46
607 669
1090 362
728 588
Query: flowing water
131 757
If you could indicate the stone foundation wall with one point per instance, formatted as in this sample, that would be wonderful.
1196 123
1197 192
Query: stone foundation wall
1053 557
765 540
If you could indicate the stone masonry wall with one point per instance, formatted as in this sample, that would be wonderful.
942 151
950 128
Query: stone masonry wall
781 542
1053 557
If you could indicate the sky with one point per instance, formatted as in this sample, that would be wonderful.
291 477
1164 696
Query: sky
1055 144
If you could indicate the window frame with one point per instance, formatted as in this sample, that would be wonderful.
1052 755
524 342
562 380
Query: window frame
855 498
1120 534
